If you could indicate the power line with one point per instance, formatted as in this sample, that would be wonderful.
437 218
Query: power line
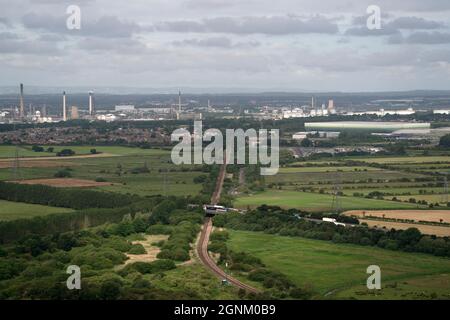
444 198
336 204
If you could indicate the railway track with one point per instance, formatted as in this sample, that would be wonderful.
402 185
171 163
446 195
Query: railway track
202 245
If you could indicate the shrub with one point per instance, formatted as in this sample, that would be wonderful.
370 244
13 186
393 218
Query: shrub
63 173
137 249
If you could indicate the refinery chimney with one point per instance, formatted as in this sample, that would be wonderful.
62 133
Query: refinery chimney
179 101
64 107
91 103
22 111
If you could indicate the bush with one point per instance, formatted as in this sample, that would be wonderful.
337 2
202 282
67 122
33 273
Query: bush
37 148
63 173
65 153
137 249
110 289
152 267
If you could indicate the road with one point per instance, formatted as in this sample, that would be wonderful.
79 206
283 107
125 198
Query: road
202 245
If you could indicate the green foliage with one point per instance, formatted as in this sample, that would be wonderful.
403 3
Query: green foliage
96 258
151 267
65 153
10 268
445 141
63 173
37 148
137 249
200 179
62 197
275 220
111 289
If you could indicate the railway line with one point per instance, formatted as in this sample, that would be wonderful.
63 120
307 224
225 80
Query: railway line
202 245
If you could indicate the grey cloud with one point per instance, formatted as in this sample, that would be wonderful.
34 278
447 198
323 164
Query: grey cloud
391 27
202 4
364 31
428 38
8 36
421 38
106 26
413 23
14 46
215 42
4 21
121 46
277 25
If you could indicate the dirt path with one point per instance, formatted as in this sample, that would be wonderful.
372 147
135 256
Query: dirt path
82 156
202 245
66 183
151 251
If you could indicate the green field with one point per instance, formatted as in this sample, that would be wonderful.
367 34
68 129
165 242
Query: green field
16 210
339 270
326 169
163 178
314 201
392 160
316 175
25 151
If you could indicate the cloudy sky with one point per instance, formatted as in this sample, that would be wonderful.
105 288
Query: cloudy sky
290 45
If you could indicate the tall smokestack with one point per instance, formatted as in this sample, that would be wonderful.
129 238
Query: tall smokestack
91 104
64 107
179 101
22 111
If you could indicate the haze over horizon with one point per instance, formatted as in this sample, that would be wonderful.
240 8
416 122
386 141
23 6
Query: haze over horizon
287 46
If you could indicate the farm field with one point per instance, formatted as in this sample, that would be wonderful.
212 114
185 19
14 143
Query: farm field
314 201
413 160
26 151
397 191
326 169
431 198
423 228
339 270
122 173
417 215
65 183
16 210
332 176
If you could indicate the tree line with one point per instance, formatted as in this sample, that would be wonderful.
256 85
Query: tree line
274 220
63 197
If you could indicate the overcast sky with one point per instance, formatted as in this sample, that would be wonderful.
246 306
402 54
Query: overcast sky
289 45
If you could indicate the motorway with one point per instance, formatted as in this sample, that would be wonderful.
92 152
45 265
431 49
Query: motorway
202 245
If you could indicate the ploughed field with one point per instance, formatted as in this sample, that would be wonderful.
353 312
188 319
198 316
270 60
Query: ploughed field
65 183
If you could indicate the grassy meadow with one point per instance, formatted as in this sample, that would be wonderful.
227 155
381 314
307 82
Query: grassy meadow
314 201
339 270
16 210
